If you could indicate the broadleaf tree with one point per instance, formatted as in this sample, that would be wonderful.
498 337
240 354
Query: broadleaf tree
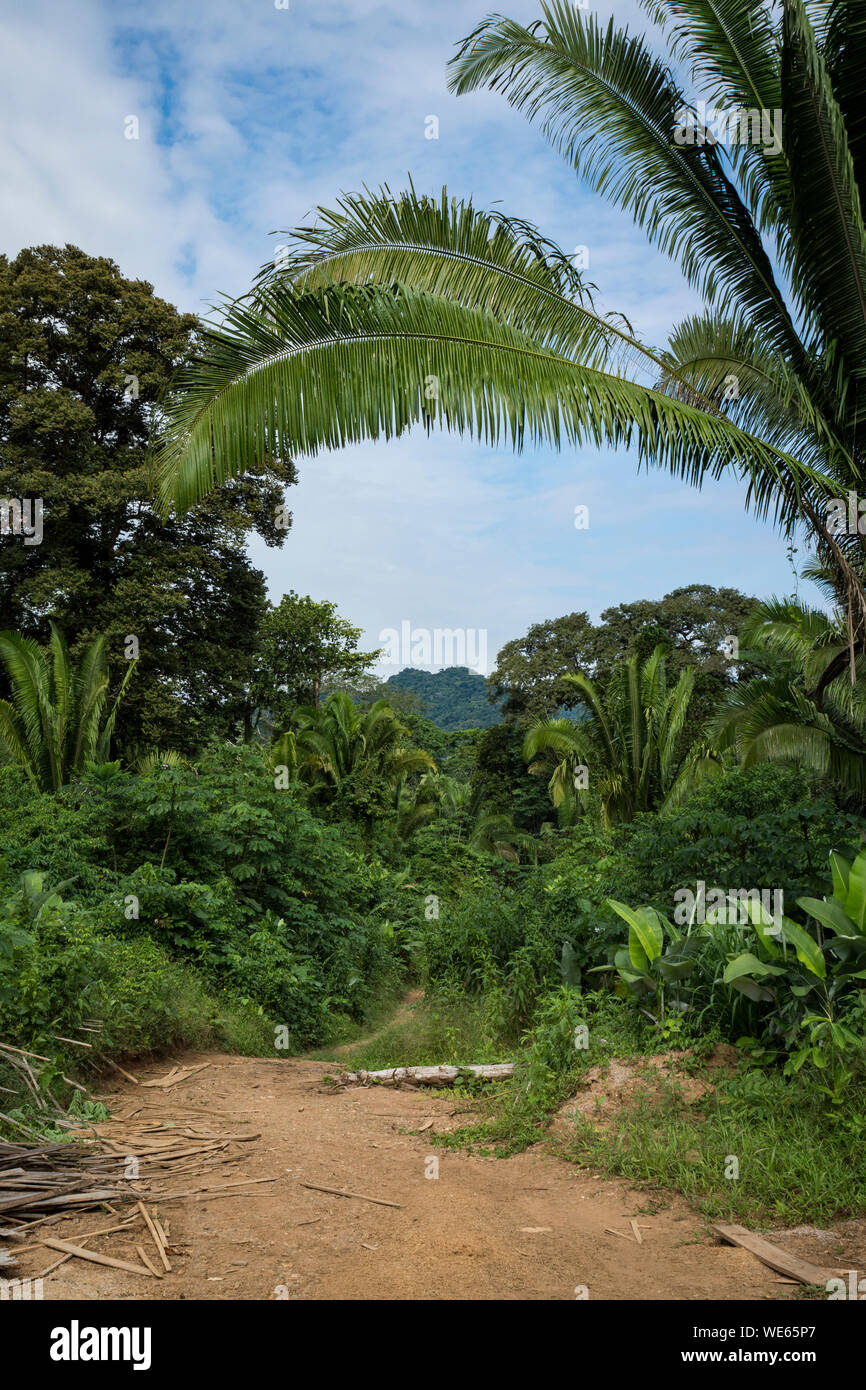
85 355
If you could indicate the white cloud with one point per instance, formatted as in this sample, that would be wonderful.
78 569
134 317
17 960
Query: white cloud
250 117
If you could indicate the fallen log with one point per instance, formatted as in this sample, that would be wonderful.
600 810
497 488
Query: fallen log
428 1076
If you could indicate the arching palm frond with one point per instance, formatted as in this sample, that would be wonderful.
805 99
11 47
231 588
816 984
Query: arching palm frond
810 714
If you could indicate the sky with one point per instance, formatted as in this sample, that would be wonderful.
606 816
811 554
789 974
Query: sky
250 114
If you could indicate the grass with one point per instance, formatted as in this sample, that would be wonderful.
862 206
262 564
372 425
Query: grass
796 1163
444 1030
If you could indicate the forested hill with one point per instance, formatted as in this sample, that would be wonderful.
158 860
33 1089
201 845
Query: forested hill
455 698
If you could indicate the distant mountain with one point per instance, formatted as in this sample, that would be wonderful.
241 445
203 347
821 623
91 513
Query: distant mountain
455 698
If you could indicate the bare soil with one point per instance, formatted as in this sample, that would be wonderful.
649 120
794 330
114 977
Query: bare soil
526 1227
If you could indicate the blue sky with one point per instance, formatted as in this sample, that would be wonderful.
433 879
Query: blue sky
249 117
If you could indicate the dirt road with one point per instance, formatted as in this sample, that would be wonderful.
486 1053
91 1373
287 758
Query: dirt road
526 1227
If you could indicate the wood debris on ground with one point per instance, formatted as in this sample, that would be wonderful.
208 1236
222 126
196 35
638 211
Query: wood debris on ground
141 1157
428 1076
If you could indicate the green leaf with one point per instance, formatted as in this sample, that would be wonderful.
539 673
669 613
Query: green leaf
768 933
840 869
746 985
829 913
748 964
855 904
645 930
809 953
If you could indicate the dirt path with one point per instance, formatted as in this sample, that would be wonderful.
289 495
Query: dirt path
526 1227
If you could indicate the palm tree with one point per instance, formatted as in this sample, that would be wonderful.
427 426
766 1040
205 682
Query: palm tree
337 747
439 797
629 749
804 709
494 833
56 722
389 310
434 797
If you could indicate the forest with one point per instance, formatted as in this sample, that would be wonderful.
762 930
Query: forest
219 824
637 846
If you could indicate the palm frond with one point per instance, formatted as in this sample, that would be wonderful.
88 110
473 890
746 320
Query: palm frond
829 270
346 363
609 107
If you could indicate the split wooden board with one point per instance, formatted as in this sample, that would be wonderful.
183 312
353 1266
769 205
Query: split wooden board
780 1260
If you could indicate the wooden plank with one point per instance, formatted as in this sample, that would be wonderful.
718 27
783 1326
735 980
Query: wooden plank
91 1255
772 1255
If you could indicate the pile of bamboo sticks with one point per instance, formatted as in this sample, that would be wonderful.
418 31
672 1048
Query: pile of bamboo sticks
120 1160
40 1178
26 1066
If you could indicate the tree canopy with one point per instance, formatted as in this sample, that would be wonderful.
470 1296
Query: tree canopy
304 645
85 355
692 623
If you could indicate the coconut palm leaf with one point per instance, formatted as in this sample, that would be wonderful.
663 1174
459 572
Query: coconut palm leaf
829 270
609 107
730 48
449 247
55 724
632 741
844 48
310 370
810 714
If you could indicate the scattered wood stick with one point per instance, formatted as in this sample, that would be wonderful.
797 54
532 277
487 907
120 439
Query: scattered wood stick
142 1255
155 1234
127 1074
611 1232
7 1047
196 1196
87 1235
175 1078
360 1196
91 1255
637 1235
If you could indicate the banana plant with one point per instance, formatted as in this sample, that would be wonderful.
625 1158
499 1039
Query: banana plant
821 972
824 962
647 967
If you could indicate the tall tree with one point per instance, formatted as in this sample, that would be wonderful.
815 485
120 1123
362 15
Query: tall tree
529 671
693 623
85 355
304 645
